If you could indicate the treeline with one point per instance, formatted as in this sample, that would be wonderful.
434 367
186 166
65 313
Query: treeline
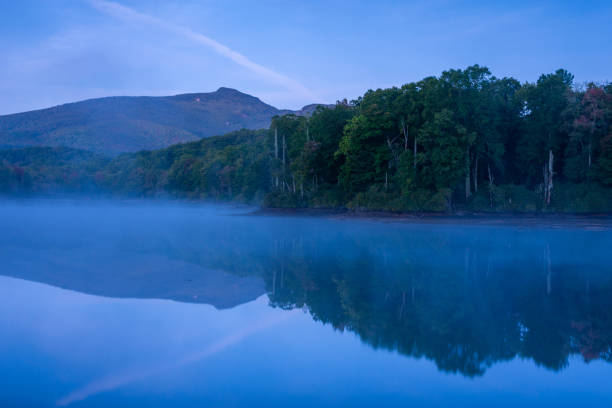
230 167
465 140
48 170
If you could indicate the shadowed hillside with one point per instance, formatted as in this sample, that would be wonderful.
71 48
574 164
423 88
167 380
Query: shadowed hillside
133 276
124 124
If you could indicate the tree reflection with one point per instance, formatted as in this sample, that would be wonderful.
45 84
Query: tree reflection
463 296
464 301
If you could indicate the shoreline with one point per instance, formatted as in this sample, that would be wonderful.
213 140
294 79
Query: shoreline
586 220
551 219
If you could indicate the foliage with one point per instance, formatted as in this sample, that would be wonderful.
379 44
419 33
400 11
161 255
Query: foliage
465 140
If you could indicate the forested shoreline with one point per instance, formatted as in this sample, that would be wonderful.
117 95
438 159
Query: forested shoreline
465 140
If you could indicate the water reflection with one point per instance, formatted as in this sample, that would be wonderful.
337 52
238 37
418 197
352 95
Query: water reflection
455 298
465 297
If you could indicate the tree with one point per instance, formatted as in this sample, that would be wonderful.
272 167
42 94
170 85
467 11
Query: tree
325 128
369 142
590 124
546 101
444 140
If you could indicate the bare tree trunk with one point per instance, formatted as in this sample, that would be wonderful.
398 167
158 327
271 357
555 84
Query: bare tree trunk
405 131
393 152
284 178
284 147
276 150
549 177
276 143
386 179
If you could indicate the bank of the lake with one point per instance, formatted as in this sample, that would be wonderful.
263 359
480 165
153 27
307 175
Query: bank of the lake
576 220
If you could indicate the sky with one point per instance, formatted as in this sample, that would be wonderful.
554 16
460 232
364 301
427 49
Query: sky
288 53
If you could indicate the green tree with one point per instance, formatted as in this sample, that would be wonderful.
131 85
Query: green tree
545 139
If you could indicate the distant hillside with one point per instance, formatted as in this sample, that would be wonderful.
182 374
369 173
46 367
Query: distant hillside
125 124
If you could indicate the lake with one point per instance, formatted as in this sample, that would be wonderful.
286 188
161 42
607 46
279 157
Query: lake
184 305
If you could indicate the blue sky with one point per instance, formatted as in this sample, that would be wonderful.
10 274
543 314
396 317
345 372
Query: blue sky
289 53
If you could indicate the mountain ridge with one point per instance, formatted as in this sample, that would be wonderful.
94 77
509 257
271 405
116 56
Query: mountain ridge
119 124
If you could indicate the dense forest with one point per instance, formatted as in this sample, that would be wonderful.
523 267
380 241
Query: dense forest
465 140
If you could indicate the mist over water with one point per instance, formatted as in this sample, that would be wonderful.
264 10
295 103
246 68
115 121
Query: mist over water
156 304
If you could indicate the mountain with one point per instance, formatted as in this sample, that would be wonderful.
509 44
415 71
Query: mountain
132 275
115 125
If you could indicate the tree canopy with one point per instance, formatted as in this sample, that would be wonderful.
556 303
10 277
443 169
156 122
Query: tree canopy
463 140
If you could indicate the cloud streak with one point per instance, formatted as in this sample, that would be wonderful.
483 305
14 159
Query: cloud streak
128 14
119 380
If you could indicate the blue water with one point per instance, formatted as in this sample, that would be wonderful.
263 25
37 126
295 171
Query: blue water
150 304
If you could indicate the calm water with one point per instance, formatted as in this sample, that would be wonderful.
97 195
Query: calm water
138 304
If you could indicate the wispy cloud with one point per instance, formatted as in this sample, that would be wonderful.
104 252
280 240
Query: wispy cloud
121 379
128 14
